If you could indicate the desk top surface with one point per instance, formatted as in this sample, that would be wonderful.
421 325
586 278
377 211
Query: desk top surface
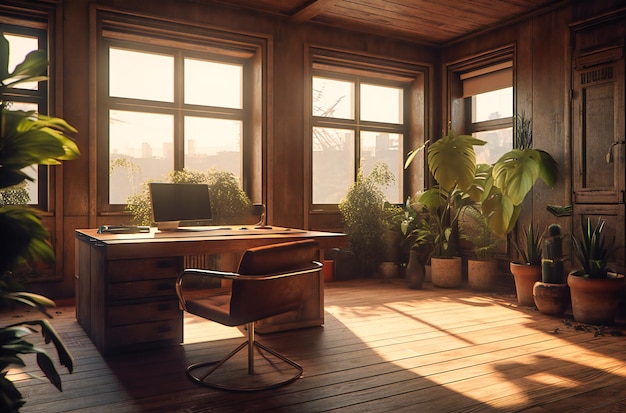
220 233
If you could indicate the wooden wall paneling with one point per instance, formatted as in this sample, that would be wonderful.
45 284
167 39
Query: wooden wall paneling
287 143
550 108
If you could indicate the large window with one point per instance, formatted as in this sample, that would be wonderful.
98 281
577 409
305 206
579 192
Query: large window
356 122
488 94
30 96
161 119
173 99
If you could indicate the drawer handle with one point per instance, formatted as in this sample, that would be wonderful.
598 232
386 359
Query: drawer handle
165 286
164 307
164 264
164 328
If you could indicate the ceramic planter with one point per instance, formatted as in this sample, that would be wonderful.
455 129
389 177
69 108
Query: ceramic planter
446 272
525 278
481 275
415 272
595 300
551 299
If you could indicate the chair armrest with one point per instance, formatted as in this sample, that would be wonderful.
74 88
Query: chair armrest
202 273
315 267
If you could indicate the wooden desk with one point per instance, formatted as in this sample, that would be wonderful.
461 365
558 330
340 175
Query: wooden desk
125 295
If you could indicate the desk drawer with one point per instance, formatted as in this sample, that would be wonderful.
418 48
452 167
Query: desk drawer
140 269
145 333
142 289
119 315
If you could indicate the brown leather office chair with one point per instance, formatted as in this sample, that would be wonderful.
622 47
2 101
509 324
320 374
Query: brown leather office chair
270 281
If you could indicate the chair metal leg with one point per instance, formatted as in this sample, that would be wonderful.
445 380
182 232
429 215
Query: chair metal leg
252 344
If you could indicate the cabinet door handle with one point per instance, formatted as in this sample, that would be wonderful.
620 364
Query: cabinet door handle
609 154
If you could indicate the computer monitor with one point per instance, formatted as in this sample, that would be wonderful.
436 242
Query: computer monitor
173 203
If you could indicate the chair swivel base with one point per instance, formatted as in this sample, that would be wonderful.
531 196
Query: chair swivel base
194 371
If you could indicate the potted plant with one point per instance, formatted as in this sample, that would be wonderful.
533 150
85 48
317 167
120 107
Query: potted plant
527 269
417 226
505 186
595 288
363 216
393 216
26 138
551 294
452 162
482 268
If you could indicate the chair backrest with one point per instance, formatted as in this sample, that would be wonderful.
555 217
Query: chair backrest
268 298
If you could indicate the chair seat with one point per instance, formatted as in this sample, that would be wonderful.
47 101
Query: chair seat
216 308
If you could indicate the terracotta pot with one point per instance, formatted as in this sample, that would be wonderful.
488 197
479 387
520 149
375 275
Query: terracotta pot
481 275
446 272
525 278
595 300
551 299
415 273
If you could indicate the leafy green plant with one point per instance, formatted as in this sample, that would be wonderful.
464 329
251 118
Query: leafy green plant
228 201
513 176
529 247
592 251
452 162
26 138
473 227
364 216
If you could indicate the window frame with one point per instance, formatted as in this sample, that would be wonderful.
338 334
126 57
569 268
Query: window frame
459 114
411 77
46 16
33 26
147 34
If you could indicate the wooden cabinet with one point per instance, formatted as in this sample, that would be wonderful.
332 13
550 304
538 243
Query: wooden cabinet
598 128
122 304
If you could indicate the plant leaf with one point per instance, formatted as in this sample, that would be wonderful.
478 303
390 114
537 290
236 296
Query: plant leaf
452 160
515 173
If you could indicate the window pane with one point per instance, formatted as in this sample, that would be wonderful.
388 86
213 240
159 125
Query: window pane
213 143
141 75
499 141
333 98
19 47
497 104
333 164
384 148
213 84
381 103
140 149
32 170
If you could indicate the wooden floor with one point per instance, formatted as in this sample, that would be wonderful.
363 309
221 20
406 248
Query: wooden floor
384 348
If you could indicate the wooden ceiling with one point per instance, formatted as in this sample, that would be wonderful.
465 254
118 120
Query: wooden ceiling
434 22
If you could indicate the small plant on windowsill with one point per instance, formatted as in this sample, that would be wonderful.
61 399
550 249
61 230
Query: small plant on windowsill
229 203
26 138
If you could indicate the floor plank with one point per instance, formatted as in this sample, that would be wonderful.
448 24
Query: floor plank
383 348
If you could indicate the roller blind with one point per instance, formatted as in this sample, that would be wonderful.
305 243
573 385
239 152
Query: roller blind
490 78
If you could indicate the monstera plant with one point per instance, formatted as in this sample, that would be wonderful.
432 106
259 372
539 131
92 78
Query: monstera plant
26 138
513 176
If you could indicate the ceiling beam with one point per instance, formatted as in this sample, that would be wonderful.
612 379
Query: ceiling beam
315 8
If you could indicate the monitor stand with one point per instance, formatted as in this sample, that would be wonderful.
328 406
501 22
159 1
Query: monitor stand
168 225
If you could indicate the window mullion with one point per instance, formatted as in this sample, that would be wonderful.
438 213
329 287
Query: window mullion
179 118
